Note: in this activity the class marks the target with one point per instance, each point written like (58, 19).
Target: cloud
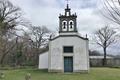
(84, 3)
(46, 12)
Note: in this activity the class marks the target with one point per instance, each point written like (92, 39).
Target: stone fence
(110, 62)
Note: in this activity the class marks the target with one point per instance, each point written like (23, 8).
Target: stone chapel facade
(68, 52)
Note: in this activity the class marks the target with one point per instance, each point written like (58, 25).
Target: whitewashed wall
(80, 55)
(43, 61)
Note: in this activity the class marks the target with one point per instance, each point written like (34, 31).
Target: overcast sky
(46, 12)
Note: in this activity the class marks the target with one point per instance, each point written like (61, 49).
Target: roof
(44, 52)
(69, 36)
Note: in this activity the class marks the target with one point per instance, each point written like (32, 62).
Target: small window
(64, 25)
(67, 13)
(71, 24)
(68, 49)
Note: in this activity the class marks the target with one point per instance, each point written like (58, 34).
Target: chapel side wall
(43, 61)
(87, 53)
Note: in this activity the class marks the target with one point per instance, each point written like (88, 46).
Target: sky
(46, 13)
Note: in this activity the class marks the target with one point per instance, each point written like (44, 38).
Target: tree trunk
(2, 59)
(104, 59)
(4, 55)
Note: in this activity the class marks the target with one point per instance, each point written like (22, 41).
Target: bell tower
(67, 21)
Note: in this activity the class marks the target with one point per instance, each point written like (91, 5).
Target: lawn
(95, 74)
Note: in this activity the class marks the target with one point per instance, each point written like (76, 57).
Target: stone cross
(28, 76)
(2, 75)
(67, 1)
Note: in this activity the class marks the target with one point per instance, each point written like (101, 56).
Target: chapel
(68, 52)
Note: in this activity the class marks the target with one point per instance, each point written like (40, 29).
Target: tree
(113, 10)
(9, 16)
(40, 36)
(105, 37)
(9, 19)
(39, 39)
(5, 47)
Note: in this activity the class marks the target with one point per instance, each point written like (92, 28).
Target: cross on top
(67, 1)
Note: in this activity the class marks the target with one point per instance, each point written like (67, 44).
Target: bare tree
(9, 18)
(40, 36)
(112, 10)
(39, 39)
(29, 44)
(6, 47)
(104, 37)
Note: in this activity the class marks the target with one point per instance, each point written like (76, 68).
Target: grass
(95, 74)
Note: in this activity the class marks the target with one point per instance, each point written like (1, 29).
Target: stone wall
(110, 62)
